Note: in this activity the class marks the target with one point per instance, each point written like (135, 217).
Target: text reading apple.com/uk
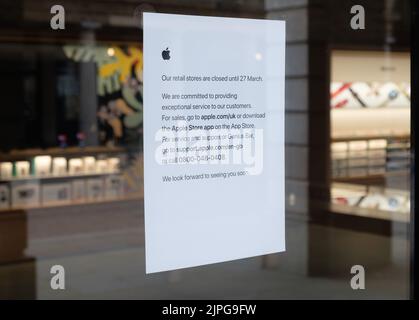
(209, 127)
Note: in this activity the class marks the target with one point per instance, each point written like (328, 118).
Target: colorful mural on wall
(119, 90)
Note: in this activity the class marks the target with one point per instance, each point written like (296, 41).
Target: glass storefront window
(71, 154)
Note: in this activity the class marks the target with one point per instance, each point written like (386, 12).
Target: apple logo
(166, 54)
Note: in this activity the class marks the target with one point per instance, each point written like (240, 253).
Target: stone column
(88, 94)
(298, 110)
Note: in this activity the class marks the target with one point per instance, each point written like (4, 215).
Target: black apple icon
(166, 54)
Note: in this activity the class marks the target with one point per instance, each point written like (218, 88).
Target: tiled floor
(102, 251)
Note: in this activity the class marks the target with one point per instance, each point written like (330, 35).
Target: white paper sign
(213, 139)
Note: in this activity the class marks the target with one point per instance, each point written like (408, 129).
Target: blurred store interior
(71, 179)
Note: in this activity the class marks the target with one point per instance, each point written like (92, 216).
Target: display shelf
(59, 177)
(44, 191)
(377, 176)
(370, 213)
(15, 155)
(372, 136)
(369, 158)
(128, 197)
(371, 201)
